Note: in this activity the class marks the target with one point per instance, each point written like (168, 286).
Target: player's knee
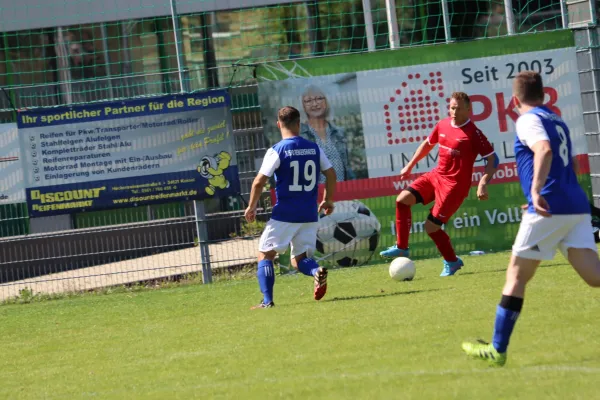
(432, 224)
(406, 197)
(431, 227)
(269, 255)
(297, 260)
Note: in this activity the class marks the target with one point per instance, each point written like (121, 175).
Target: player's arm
(491, 166)
(270, 164)
(532, 133)
(330, 182)
(485, 149)
(257, 188)
(542, 161)
(422, 151)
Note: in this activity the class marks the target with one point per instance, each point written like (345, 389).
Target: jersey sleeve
(270, 163)
(433, 137)
(530, 130)
(482, 144)
(324, 161)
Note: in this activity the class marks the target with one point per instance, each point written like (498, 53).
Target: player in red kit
(448, 184)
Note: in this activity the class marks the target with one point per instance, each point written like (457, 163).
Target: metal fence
(95, 250)
(588, 59)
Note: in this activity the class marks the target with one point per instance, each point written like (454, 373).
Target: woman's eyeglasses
(310, 100)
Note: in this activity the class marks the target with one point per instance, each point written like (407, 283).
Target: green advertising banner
(369, 113)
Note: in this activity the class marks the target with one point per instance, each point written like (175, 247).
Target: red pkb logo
(420, 102)
(416, 108)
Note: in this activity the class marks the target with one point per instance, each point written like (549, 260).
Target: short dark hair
(461, 96)
(528, 87)
(288, 116)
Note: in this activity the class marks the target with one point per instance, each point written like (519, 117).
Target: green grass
(370, 338)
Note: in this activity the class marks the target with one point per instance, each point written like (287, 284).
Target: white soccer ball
(349, 236)
(402, 269)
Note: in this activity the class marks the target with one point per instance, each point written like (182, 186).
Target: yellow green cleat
(485, 351)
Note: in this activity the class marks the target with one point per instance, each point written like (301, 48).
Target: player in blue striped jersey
(296, 164)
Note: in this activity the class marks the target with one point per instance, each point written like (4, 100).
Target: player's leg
(580, 249)
(404, 202)
(519, 273)
(586, 263)
(274, 239)
(266, 278)
(433, 228)
(537, 240)
(302, 249)
(446, 204)
(420, 191)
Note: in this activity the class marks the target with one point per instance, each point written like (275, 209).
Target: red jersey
(459, 148)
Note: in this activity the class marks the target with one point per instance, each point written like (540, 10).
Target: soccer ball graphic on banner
(402, 269)
(347, 237)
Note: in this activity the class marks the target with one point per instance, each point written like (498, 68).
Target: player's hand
(327, 206)
(405, 172)
(541, 205)
(250, 214)
(482, 192)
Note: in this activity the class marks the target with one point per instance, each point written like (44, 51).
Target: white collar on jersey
(454, 126)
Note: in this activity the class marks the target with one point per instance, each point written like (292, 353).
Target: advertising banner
(377, 108)
(12, 189)
(129, 153)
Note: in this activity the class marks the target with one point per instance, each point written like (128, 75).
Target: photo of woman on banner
(339, 134)
(318, 128)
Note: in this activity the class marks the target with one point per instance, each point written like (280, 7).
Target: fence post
(392, 20)
(183, 83)
(563, 14)
(202, 231)
(63, 66)
(200, 215)
(369, 24)
(510, 17)
(446, 20)
(104, 34)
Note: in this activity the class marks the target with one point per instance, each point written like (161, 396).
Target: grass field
(370, 338)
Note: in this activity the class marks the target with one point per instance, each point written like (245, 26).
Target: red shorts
(448, 199)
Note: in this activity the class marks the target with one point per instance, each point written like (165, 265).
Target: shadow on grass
(503, 269)
(375, 296)
(547, 264)
(492, 271)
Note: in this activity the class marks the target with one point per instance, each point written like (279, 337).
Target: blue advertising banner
(128, 153)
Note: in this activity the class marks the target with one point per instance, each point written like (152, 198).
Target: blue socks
(266, 275)
(266, 279)
(507, 313)
(308, 266)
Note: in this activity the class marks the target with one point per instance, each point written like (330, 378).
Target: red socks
(442, 241)
(403, 223)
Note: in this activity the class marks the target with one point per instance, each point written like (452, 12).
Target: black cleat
(263, 305)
